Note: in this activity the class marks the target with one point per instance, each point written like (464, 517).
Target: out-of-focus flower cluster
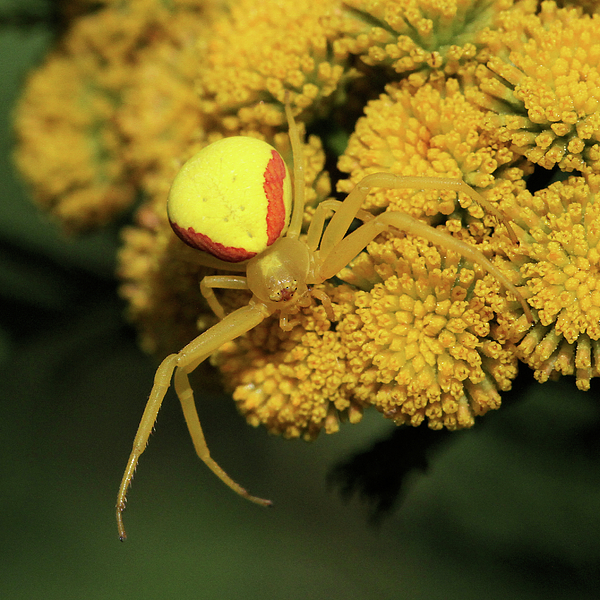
(112, 109)
(501, 93)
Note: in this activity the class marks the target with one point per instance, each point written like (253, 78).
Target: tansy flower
(76, 143)
(421, 339)
(416, 38)
(558, 259)
(68, 148)
(543, 87)
(269, 50)
(434, 132)
(295, 383)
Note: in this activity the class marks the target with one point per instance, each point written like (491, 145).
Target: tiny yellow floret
(559, 235)
(232, 199)
(542, 86)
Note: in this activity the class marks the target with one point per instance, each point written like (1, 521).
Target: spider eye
(233, 199)
(284, 293)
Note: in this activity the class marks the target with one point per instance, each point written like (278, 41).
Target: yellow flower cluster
(433, 132)
(68, 150)
(422, 341)
(487, 91)
(543, 87)
(295, 383)
(420, 39)
(112, 104)
(262, 53)
(559, 255)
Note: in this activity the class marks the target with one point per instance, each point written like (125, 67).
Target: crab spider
(281, 272)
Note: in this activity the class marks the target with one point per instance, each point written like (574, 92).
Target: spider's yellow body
(280, 275)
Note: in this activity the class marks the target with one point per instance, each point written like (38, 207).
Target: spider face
(279, 274)
(285, 292)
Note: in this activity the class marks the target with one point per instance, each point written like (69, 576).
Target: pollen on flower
(431, 133)
(559, 242)
(420, 341)
(542, 87)
(295, 383)
(415, 37)
(109, 109)
(268, 50)
(68, 150)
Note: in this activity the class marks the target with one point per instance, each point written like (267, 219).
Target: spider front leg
(336, 251)
(340, 222)
(232, 326)
(229, 282)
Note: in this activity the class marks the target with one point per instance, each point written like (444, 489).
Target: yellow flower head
(159, 114)
(68, 149)
(420, 342)
(434, 132)
(267, 50)
(543, 85)
(559, 252)
(113, 103)
(295, 383)
(415, 37)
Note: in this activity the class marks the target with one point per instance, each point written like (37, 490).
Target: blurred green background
(510, 509)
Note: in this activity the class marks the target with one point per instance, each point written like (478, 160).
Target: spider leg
(353, 244)
(229, 282)
(340, 222)
(162, 381)
(298, 207)
(186, 397)
(317, 223)
(325, 301)
(186, 360)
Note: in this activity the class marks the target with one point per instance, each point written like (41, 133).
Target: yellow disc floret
(420, 342)
(559, 252)
(432, 133)
(232, 199)
(543, 84)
